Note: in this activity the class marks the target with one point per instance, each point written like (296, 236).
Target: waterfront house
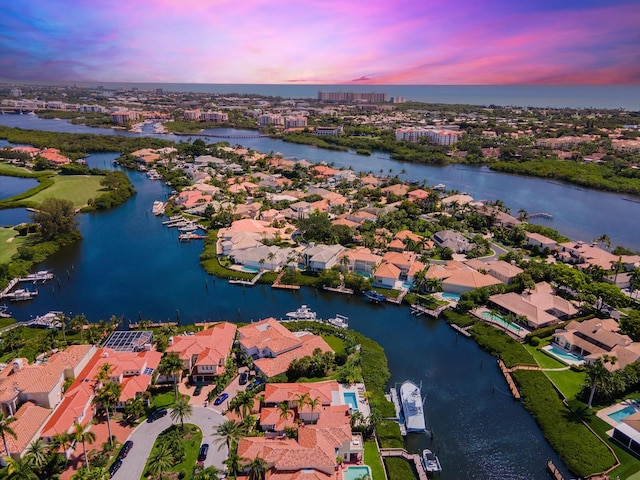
(417, 195)
(321, 257)
(541, 307)
(503, 271)
(262, 257)
(386, 275)
(205, 353)
(597, 337)
(359, 260)
(30, 419)
(457, 277)
(540, 241)
(274, 347)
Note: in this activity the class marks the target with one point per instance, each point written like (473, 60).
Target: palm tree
(108, 396)
(21, 469)
(5, 429)
(242, 403)
(233, 463)
(285, 411)
(230, 433)
(60, 440)
(77, 323)
(598, 374)
(313, 404)
(209, 473)
(181, 410)
(93, 473)
(81, 433)
(301, 400)
(103, 374)
(62, 323)
(171, 366)
(257, 469)
(161, 460)
(634, 280)
(37, 452)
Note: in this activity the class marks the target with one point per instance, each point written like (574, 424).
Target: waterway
(579, 213)
(129, 265)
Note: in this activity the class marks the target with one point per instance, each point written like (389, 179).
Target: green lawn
(567, 381)
(9, 249)
(337, 344)
(372, 458)
(77, 188)
(191, 439)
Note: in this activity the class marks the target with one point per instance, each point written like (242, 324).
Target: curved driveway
(144, 436)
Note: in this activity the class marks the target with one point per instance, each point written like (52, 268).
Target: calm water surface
(129, 265)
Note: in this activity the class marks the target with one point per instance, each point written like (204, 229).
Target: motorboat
(430, 461)
(302, 313)
(412, 408)
(374, 296)
(339, 321)
(158, 207)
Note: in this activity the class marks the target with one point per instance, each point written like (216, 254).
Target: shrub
(534, 341)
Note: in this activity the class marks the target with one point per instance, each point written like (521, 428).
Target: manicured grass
(629, 465)
(568, 382)
(501, 345)
(398, 469)
(9, 249)
(5, 322)
(372, 458)
(165, 398)
(542, 359)
(77, 188)
(337, 344)
(191, 440)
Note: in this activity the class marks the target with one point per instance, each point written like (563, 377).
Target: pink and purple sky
(322, 41)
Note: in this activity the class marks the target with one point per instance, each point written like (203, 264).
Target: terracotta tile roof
(275, 393)
(30, 418)
(273, 416)
(209, 345)
(387, 270)
(75, 404)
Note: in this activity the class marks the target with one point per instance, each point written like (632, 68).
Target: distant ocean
(556, 96)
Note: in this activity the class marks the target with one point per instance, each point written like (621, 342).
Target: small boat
(412, 408)
(158, 207)
(189, 227)
(22, 294)
(439, 187)
(187, 237)
(303, 313)
(4, 312)
(430, 461)
(339, 321)
(40, 276)
(374, 296)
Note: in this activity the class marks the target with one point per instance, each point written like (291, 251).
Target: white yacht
(303, 313)
(430, 461)
(412, 409)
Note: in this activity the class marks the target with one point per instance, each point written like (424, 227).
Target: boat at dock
(158, 207)
(187, 237)
(40, 276)
(375, 296)
(339, 321)
(22, 294)
(412, 408)
(4, 312)
(302, 313)
(189, 227)
(430, 461)
(439, 187)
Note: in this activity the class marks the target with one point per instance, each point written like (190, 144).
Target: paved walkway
(145, 435)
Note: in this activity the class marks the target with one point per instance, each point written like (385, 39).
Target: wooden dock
(463, 331)
(553, 470)
(419, 310)
(393, 396)
(248, 283)
(512, 385)
(345, 290)
(284, 286)
(411, 457)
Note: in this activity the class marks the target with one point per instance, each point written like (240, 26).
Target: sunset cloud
(321, 41)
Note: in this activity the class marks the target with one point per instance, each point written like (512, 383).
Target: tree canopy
(56, 217)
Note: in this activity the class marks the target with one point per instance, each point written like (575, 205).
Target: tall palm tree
(60, 440)
(181, 410)
(301, 400)
(242, 403)
(93, 473)
(81, 433)
(161, 460)
(103, 374)
(5, 429)
(171, 366)
(108, 396)
(257, 469)
(77, 323)
(230, 433)
(313, 404)
(634, 280)
(233, 463)
(209, 473)
(37, 452)
(598, 374)
(285, 411)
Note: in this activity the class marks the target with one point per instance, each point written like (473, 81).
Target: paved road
(145, 435)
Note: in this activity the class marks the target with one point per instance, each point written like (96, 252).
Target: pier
(277, 283)
(411, 457)
(41, 276)
(341, 289)
(459, 329)
(393, 397)
(553, 470)
(512, 385)
(248, 283)
(419, 310)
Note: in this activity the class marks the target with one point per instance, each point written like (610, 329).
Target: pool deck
(358, 390)
(517, 334)
(547, 349)
(604, 413)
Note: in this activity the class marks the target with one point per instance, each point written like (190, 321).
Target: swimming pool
(622, 413)
(450, 296)
(563, 355)
(352, 473)
(351, 400)
(249, 269)
(498, 319)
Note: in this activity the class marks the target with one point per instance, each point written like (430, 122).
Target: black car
(126, 447)
(202, 454)
(156, 415)
(244, 376)
(197, 391)
(114, 467)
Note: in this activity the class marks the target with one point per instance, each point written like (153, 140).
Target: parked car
(126, 447)
(256, 383)
(202, 454)
(114, 467)
(153, 416)
(221, 399)
(197, 391)
(244, 376)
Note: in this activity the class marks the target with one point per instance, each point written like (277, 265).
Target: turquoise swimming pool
(351, 400)
(354, 472)
(622, 413)
(498, 319)
(563, 355)
(450, 296)
(249, 269)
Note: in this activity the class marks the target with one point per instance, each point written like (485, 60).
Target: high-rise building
(340, 96)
